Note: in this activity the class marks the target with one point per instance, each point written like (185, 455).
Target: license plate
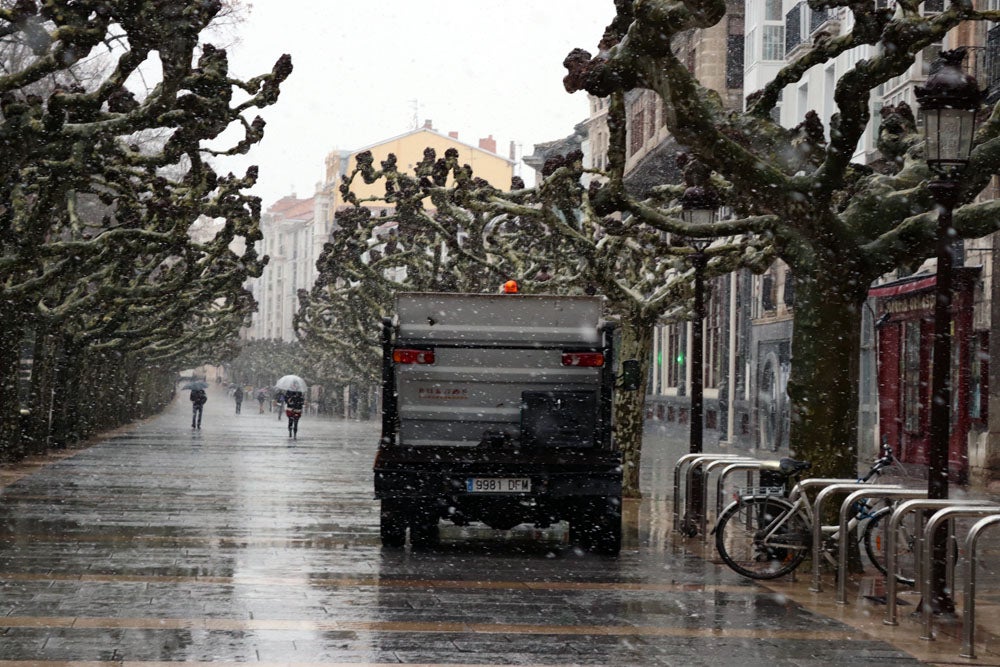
(498, 485)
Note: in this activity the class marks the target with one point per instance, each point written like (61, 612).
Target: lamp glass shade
(699, 216)
(949, 135)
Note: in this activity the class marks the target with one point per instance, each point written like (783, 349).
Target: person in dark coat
(238, 397)
(294, 401)
(198, 400)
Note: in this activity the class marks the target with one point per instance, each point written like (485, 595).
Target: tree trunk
(823, 386)
(66, 394)
(41, 390)
(630, 406)
(11, 330)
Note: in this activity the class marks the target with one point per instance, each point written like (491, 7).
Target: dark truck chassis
(420, 485)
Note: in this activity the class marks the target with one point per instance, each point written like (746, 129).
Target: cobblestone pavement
(234, 544)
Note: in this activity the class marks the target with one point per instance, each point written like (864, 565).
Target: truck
(497, 409)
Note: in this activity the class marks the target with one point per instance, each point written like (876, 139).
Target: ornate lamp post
(948, 103)
(699, 206)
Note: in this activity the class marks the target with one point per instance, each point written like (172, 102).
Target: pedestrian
(198, 400)
(261, 398)
(238, 397)
(279, 398)
(294, 401)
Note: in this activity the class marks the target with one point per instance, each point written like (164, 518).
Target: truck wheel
(392, 525)
(424, 533)
(607, 534)
(597, 526)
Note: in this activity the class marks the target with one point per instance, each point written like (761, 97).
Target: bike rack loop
(749, 466)
(708, 468)
(969, 613)
(891, 560)
(817, 527)
(691, 459)
(845, 508)
(987, 509)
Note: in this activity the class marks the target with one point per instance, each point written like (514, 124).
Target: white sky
(478, 67)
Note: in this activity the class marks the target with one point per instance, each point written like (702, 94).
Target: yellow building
(409, 150)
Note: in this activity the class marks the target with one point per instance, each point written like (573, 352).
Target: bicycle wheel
(906, 544)
(761, 537)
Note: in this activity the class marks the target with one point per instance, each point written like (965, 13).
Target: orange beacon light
(510, 287)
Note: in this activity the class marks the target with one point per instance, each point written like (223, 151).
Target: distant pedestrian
(294, 400)
(198, 400)
(279, 399)
(238, 397)
(261, 398)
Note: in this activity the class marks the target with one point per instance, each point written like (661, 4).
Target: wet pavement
(234, 543)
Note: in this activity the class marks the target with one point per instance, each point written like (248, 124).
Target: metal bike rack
(708, 468)
(845, 508)
(691, 461)
(817, 527)
(969, 613)
(749, 466)
(926, 555)
(891, 560)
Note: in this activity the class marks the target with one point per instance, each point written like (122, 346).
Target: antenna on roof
(416, 114)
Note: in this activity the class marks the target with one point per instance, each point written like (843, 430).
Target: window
(713, 341)
(734, 54)
(772, 10)
(910, 373)
(749, 52)
(675, 360)
(774, 47)
(767, 288)
(789, 293)
(637, 130)
(979, 377)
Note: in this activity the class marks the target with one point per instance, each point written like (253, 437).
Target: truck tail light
(408, 356)
(590, 359)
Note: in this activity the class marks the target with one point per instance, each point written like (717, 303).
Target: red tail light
(590, 359)
(406, 356)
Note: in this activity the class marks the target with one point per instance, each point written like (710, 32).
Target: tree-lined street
(233, 543)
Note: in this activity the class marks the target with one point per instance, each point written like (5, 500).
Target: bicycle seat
(790, 467)
(787, 466)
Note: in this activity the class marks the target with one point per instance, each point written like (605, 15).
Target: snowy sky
(365, 71)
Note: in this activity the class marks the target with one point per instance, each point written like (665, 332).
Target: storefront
(904, 311)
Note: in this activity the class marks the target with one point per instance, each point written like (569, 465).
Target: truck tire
(392, 524)
(596, 526)
(424, 532)
(607, 534)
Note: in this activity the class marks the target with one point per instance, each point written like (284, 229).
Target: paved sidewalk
(234, 544)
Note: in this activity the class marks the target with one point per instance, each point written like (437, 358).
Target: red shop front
(905, 338)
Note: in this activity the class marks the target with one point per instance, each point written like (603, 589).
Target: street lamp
(699, 206)
(948, 102)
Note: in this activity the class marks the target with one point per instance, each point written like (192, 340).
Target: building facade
(748, 329)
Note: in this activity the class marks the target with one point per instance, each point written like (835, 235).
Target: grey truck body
(495, 411)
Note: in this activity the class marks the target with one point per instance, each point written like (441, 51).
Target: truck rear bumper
(402, 483)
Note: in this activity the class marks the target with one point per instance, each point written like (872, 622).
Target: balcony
(984, 64)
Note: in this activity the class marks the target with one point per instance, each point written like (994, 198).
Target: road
(234, 543)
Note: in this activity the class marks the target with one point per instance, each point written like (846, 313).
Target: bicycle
(767, 533)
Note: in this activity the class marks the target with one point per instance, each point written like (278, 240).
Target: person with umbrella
(198, 400)
(294, 389)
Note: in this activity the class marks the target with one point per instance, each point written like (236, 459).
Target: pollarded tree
(131, 278)
(838, 225)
